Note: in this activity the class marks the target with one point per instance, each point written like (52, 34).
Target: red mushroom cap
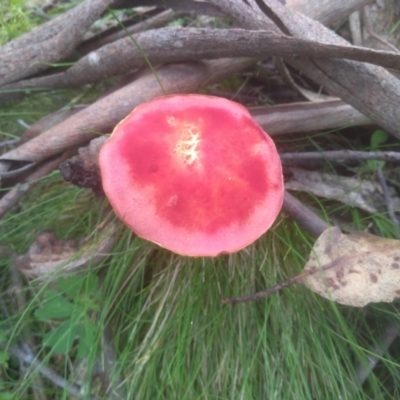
(194, 174)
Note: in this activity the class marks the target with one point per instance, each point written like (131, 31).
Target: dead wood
(371, 90)
(13, 196)
(341, 156)
(307, 116)
(327, 12)
(48, 43)
(185, 6)
(104, 114)
(306, 218)
(150, 23)
(167, 45)
(48, 121)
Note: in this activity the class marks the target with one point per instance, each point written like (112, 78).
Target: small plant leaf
(62, 338)
(377, 138)
(71, 285)
(87, 337)
(354, 269)
(55, 306)
(6, 395)
(4, 357)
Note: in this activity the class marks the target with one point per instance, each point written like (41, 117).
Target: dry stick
(373, 34)
(327, 11)
(103, 115)
(150, 23)
(308, 116)
(184, 6)
(306, 218)
(26, 356)
(264, 293)
(370, 89)
(18, 301)
(48, 43)
(11, 198)
(50, 120)
(387, 197)
(180, 44)
(341, 155)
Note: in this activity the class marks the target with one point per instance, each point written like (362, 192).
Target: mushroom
(194, 174)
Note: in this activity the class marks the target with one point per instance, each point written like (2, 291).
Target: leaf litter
(351, 269)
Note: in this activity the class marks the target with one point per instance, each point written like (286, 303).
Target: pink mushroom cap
(194, 174)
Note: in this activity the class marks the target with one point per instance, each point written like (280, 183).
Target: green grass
(172, 336)
(162, 314)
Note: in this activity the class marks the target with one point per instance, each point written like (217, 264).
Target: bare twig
(387, 197)
(185, 6)
(307, 219)
(150, 23)
(372, 33)
(327, 12)
(263, 293)
(307, 116)
(12, 197)
(342, 155)
(26, 356)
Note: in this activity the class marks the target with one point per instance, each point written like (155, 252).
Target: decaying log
(371, 90)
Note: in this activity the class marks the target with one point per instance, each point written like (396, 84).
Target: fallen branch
(14, 195)
(166, 45)
(26, 356)
(371, 90)
(48, 43)
(306, 218)
(104, 114)
(307, 116)
(341, 155)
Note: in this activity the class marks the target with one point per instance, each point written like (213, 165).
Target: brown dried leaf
(48, 254)
(352, 191)
(354, 269)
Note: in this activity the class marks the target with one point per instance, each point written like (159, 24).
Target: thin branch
(306, 218)
(26, 356)
(387, 197)
(342, 155)
(307, 116)
(373, 34)
(13, 196)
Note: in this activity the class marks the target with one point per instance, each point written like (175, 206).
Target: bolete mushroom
(194, 174)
